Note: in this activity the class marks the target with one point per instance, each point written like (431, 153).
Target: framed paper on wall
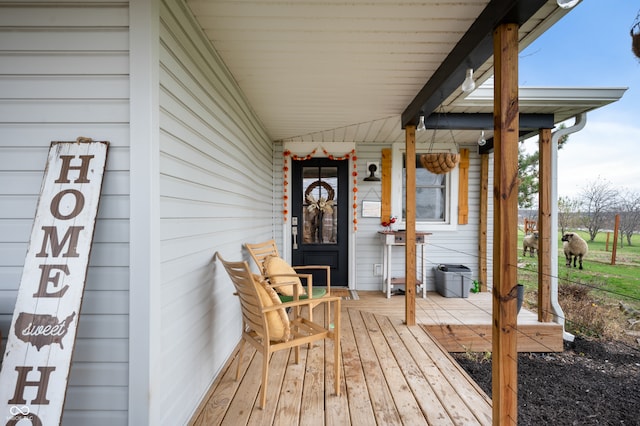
(371, 208)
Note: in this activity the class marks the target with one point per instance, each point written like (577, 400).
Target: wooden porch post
(482, 226)
(505, 252)
(410, 243)
(545, 239)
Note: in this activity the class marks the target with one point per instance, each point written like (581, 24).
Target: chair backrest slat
(260, 251)
(250, 302)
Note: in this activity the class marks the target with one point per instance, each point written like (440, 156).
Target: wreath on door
(318, 207)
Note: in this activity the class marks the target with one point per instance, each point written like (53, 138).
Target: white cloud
(606, 150)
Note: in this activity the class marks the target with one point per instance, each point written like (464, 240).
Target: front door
(320, 217)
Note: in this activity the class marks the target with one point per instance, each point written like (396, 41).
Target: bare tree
(567, 213)
(629, 207)
(597, 199)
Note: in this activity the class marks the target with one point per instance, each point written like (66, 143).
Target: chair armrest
(307, 277)
(275, 286)
(326, 268)
(312, 267)
(302, 302)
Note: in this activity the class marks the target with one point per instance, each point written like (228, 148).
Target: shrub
(588, 316)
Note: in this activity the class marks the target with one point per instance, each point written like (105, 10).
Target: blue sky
(591, 47)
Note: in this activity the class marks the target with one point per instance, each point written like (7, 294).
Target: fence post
(615, 240)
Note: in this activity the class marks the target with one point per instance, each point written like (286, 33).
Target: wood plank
(462, 338)
(360, 408)
(410, 243)
(249, 387)
(544, 231)
(384, 408)
(463, 188)
(313, 390)
(277, 367)
(504, 359)
(385, 184)
(483, 221)
(222, 391)
(387, 343)
(541, 337)
(478, 403)
(288, 409)
(430, 363)
(430, 404)
(336, 407)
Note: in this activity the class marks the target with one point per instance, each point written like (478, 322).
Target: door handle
(294, 234)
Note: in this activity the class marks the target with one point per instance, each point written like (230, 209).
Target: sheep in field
(530, 242)
(574, 247)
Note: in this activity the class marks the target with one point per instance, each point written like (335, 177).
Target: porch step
(541, 337)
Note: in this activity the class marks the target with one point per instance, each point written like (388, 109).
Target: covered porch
(392, 373)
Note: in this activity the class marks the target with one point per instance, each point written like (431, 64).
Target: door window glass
(320, 209)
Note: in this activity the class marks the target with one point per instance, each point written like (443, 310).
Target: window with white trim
(436, 194)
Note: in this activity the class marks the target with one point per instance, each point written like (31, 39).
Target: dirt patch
(593, 382)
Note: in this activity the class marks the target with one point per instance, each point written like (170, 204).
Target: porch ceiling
(346, 71)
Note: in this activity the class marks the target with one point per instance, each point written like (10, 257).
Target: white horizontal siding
(215, 194)
(368, 243)
(64, 74)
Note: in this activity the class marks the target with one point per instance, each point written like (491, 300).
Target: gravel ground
(591, 383)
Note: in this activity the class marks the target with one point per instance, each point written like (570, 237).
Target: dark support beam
(484, 121)
(474, 49)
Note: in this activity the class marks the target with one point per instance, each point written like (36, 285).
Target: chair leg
(336, 347)
(336, 365)
(327, 315)
(239, 359)
(265, 378)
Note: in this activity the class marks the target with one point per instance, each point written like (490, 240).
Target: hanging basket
(635, 40)
(440, 163)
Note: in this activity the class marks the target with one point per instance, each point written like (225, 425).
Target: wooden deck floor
(392, 375)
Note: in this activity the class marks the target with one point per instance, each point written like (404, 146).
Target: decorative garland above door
(351, 155)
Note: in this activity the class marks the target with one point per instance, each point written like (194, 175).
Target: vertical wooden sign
(37, 359)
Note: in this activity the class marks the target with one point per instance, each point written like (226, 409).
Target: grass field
(591, 297)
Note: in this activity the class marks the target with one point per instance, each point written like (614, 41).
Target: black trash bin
(453, 280)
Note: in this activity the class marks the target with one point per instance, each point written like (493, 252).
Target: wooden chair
(267, 326)
(261, 252)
